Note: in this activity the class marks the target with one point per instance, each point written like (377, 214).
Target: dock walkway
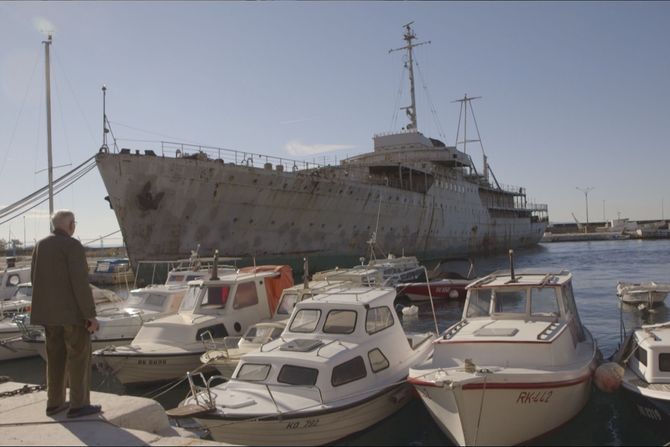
(125, 421)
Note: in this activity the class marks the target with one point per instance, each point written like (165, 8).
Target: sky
(574, 94)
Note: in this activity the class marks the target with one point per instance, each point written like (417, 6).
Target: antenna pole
(47, 77)
(104, 118)
(411, 109)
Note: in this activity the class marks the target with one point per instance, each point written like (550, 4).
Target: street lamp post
(586, 192)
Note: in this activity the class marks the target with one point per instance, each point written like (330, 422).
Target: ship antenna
(104, 147)
(511, 265)
(305, 268)
(409, 37)
(215, 266)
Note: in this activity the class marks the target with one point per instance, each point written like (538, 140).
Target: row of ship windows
(453, 187)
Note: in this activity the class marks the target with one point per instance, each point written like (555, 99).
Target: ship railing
(232, 156)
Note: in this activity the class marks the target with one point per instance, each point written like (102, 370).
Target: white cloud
(295, 147)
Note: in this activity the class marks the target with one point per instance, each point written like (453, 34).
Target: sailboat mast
(47, 76)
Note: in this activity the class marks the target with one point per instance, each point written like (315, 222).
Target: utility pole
(586, 192)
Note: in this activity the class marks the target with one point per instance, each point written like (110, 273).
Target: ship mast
(409, 37)
(47, 76)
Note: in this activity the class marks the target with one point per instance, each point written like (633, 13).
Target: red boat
(444, 283)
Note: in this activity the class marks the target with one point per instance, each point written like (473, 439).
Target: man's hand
(92, 325)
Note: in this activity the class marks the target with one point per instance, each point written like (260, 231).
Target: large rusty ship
(411, 195)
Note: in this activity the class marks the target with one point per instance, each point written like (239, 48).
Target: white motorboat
(646, 293)
(641, 368)
(166, 348)
(518, 365)
(10, 279)
(226, 357)
(12, 325)
(387, 271)
(19, 339)
(339, 367)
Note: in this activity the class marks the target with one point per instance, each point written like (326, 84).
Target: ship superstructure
(412, 195)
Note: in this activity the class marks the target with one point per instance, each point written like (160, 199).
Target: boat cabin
(651, 359)
(215, 308)
(525, 319)
(335, 342)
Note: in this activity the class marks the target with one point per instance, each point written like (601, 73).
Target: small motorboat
(339, 367)
(212, 309)
(644, 374)
(444, 282)
(647, 293)
(516, 366)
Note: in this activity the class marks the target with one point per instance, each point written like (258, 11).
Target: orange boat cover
(274, 285)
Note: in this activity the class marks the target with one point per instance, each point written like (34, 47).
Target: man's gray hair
(61, 219)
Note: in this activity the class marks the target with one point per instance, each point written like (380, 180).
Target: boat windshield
(190, 299)
(305, 320)
(23, 292)
(287, 303)
(479, 303)
(544, 302)
(510, 301)
(253, 372)
(262, 334)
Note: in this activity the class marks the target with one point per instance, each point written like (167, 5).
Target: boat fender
(608, 377)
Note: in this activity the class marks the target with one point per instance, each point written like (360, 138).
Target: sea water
(607, 419)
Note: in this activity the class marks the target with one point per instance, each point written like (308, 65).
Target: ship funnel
(305, 268)
(215, 266)
(511, 265)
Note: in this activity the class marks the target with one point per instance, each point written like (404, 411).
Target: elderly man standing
(63, 303)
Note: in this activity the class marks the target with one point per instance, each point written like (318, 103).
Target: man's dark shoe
(57, 409)
(84, 411)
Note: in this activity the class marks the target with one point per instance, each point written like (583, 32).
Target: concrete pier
(126, 420)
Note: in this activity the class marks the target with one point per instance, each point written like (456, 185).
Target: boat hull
(652, 406)
(144, 369)
(315, 428)
(439, 290)
(276, 216)
(506, 413)
(12, 346)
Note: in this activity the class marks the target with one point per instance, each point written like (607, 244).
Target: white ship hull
(12, 346)
(315, 428)
(167, 206)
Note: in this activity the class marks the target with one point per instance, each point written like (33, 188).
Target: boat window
(543, 302)
(261, 334)
(377, 319)
(641, 355)
(340, 322)
(287, 303)
(297, 375)
(175, 278)
(23, 292)
(190, 298)
(13, 280)
(510, 301)
(193, 277)
(664, 362)
(155, 300)
(572, 308)
(378, 361)
(245, 295)
(479, 303)
(305, 320)
(253, 372)
(216, 297)
(348, 372)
